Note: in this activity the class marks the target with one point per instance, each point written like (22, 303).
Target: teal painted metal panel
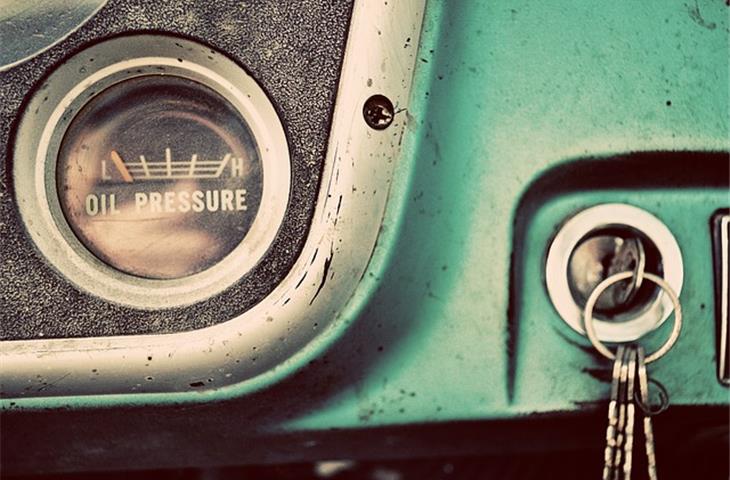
(504, 92)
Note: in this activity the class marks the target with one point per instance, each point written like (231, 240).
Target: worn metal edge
(98, 5)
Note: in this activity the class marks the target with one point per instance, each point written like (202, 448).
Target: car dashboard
(268, 233)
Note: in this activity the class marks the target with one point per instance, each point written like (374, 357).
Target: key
(630, 365)
(648, 428)
(622, 407)
(612, 427)
(630, 256)
(630, 411)
(600, 257)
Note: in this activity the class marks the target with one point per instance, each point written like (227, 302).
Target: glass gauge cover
(159, 176)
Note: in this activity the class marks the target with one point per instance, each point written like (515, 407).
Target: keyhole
(607, 251)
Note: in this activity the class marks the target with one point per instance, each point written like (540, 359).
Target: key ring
(663, 398)
(593, 298)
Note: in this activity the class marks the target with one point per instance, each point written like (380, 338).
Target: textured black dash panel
(294, 49)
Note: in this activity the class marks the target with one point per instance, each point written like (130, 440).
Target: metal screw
(378, 112)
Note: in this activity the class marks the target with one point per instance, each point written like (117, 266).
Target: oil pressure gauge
(159, 177)
(151, 178)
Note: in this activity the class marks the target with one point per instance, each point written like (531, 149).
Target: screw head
(378, 112)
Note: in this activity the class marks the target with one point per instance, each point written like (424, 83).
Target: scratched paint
(505, 93)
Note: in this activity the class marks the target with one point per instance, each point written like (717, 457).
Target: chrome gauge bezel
(54, 106)
(311, 306)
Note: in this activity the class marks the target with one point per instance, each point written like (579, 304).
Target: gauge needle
(119, 163)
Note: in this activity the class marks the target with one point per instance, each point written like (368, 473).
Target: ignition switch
(604, 253)
(600, 242)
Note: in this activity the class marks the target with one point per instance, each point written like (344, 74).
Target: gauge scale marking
(170, 201)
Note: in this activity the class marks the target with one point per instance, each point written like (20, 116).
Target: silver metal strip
(300, 317)
(721, 236)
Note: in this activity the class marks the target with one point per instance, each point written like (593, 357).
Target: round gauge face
(159, 177)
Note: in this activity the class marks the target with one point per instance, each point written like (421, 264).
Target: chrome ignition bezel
(597, 218)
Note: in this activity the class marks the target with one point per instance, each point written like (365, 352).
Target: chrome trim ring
(602, 216)
(51, 111)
